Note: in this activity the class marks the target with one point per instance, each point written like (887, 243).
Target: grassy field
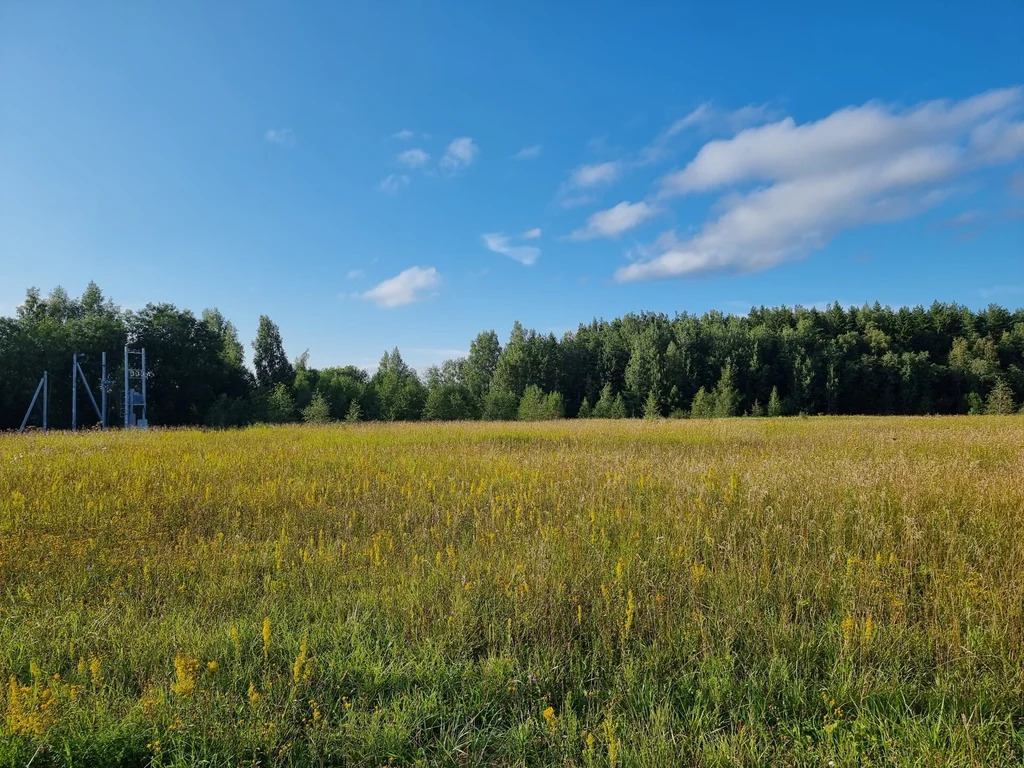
(828, 591)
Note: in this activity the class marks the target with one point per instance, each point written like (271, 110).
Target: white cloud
(528, 153)
(403, 135)
(460, 154)
(574, 191)
(594, 175)
(407, 287)
(499, 243)
(614, 221)
(355, 274)
(705, 118)
(413, 158)
(284, 137)
(531, 234)
(846, 139)
(859, 165)
(710, 117)
(393, 183)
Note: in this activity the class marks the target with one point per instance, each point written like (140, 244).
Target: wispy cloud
(706, 119)
(594, 175)
(615, 220)
(355, 274)
(407, 287)
(461, 153)
(284, 137)
(710, 117)
(963, 219)
(413, 158)
(393, 183)
(531, 234)
(499, 243)
(584, 180)
(528, 153)
(859, 165)
(403, 135)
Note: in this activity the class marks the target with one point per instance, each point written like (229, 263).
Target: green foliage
(703, 406)
(449, 402)
(280, 406)
(269, 360)
(585, 411)
(652, 408)
(727, 399)
(975, 404)
(318, 411)
(535, 405)
(555, 405)
(355, 413)
(500, 405)
(618, 409)
(869, 359)
(605, 403)
(757, 410)
(341, 387)
(401, 394)
(481, 364)
(228, 411)
(1000, 399)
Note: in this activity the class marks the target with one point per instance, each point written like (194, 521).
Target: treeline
(778, 361)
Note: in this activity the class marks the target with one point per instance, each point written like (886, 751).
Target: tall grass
(736, 592)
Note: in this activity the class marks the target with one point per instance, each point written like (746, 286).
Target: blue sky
(410, 173)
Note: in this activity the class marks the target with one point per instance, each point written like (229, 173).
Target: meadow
(817, 592)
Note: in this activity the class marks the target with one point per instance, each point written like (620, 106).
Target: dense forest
(867, 360)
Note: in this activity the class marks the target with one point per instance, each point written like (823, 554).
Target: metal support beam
(144, 417)
(126, 393)
(74, 392)
(103, 391)
(33, 404)
(88, 391)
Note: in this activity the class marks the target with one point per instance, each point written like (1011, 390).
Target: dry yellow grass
(577, 593)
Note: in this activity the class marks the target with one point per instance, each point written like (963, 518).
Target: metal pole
(88, 391)
(46, 397)
(144, 385)
(103, 391)
(74, 392)
(126, 387)
(32, 404)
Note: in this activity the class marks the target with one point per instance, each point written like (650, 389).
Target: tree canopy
(945, 358)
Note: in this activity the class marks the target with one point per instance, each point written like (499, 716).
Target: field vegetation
(823, 591)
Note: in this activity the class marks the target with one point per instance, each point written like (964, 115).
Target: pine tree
(585, 410)
(1000, 399)
(355, 413)
(727, 398)
(652, 410)
(618, 409)
(603, 409)
(280, 405)
(531, 406)
(318, 411)
(775, 403)
(703, 406)
(756, 410)
(555, 406)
